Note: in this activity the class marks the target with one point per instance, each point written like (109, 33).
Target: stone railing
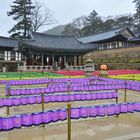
(35, 68)
(45, 68)
(76, 67)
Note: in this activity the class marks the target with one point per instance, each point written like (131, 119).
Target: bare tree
(42, 16)
(75, 27)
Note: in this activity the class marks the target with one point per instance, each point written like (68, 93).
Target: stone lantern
(89, 66)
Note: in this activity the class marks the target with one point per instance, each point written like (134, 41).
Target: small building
(10, 59)
(112, 39)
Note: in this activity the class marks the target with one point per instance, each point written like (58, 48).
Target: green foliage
(127, 77)
(93, 23)
(21, 10)
(137, 14)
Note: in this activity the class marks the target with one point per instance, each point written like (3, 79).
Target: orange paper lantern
(103, 67)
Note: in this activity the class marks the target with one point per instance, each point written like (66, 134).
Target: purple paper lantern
(84, 112)
(71, 97)
(46, 117)
(16, 101)
(9, 101)
(37, 118)
(123, 108)
(88, 96)
(99, 96)
(26, 119)
(130, 107)
(97, 88)
(38, 91)
(65, 89)
(62, 114)
(0, 123)
(27, 91)
(31, 91)
(55, 115)
(110, 110)
(47, 98)
(117, 109)
(2, 102)
(77, 97)
(56, 90)
(17, 121)
(105, 87)
(24, 100)
(104, 95)
(46, 90)
(52, 90)
(31, 100)
(90, 88)
(109, 95)
(12, 92)
(66, 97)
(101, 87)
(7, 123)
(17, 92)
(38, 99)
(23, 91)
(137, 106)
(101, 111)
(110, 87)
(93, 96)
(59, 98)
(53, 98)
(115, 94)
(93, 111)
(83, 97)
(75, 113)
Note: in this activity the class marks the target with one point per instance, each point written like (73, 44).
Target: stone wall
(121, 58)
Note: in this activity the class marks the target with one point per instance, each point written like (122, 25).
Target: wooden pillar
(25, 63)
(49, 61)
(32, 59)
(65, 60)
(111, 45)
(116, 44)
(52, 60)
(62, 64)
(77, 63)
(79, 60)
(75, 60)
(42, 60)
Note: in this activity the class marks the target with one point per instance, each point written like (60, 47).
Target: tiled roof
(8, 42)
(134, 39)
(101, 36)
(66, 43)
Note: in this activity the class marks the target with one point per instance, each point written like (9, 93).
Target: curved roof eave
(82, 50)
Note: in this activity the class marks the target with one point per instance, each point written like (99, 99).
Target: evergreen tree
(94, 23)
(137, 14)
(21, 11)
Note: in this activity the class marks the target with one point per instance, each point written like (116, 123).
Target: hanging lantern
(103, 67)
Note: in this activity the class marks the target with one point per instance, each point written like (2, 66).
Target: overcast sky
(66, 10)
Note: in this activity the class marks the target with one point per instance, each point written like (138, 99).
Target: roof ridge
(9, 38)
(57, 35)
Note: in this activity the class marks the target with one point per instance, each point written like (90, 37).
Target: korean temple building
(116, 38)
(44, 51)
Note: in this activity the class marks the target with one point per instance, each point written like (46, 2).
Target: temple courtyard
(123, 127)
